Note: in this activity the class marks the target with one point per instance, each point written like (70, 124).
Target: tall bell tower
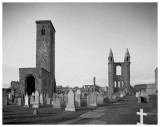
(41, 78)
(45, 46)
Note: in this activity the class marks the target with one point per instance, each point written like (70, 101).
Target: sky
(85, 32)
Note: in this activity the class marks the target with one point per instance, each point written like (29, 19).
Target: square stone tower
(45, 46)
(41, 78)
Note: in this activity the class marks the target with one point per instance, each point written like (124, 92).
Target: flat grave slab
(92, 114)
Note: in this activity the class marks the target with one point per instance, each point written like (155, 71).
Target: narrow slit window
(43, 32)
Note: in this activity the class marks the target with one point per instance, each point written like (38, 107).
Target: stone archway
(30, 85)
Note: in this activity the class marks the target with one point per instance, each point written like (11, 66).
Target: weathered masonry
(119, 82)
(41, 78)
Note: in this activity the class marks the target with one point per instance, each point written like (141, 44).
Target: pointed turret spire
(94, 80)
(110, 53)
(127, 53)
(127, 56)
(110, 58)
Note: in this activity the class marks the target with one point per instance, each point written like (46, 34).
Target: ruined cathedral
(41, 78)
(119, 82)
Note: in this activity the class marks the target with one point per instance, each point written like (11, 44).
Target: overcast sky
(85, 32)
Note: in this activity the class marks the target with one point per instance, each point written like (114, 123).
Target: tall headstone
(41, 99)
(65, 99)
(26, 101)
(61, 98)
(83, 95)
(57, 102)
(91, 99)
(100, 99)
(32, 98)
(48, 101)
(9, 96)
(70, 104)
(36, 101)
(19, 101)
(78, 98)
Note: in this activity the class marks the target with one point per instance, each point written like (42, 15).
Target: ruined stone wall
(24, 72)
(123, 79)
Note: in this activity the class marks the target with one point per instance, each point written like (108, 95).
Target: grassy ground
(120, 112)
(124, 111)
(14, 114)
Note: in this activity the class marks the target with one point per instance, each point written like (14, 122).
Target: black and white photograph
(79, 63)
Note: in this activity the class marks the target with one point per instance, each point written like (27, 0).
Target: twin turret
(111, 58)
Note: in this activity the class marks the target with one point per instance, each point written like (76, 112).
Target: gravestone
(57, 102)
(61, 98)
(54, 95)
(41, 99)
(70, 105)
(48, 101)
(5, 100)
(15, 100)
(32, 98)
(100, 99)
(9, 96)
(91, 99)
(36, 101)
(19, 101)
(96, 93)
(65, 99)
(144, 97)
(137, 94)
(78, 98)
(121, 94)
(83, 95)
(26, 101)
(114, 97)
(47, 96)
(141, 113)
(35, 112)
(118, 95)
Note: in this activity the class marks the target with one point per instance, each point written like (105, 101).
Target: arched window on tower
(118, 84)
(118, 70)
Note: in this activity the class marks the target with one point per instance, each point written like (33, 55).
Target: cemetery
(36, 98)
(123, 110)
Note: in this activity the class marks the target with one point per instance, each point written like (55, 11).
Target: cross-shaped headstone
(141, 116)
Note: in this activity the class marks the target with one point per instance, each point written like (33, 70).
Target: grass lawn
(124, 111)
(14, 114)
(120, 112)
